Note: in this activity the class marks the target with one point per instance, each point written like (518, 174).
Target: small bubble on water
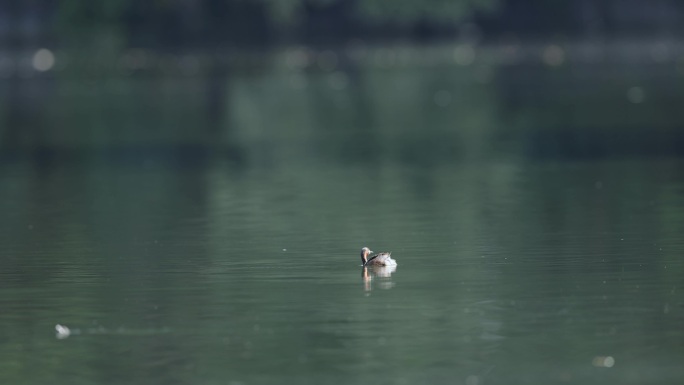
(62, 331)
(284, 249)
(603, 362)
(43, 60)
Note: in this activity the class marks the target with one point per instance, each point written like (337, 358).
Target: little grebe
(380, 259)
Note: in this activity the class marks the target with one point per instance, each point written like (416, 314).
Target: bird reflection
(384, 273)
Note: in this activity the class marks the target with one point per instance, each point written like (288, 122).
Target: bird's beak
(371, 251)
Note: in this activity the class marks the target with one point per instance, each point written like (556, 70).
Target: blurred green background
(203, 78)
(186, 185)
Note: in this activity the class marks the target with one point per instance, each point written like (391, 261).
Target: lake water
(174, 264)
(216, 275)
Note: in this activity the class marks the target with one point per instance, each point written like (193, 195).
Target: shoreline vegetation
(28, 63)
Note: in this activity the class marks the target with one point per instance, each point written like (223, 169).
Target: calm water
(207, 231)
(507, 273)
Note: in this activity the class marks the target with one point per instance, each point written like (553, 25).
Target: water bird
(380, 259)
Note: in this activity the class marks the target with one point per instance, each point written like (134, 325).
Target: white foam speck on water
(62, 331)
(603, 361)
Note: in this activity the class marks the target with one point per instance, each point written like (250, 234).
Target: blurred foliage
(285, 11)
(178, 23)
(281, 11)
(208, 23)
(86, 12)
(410, 11)
(386, 10)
